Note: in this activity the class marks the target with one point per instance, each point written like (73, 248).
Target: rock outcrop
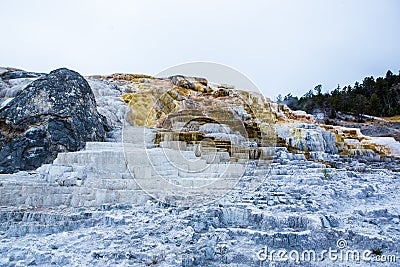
(55, 113)
(189, 110)
(90, 208)
(171, 102)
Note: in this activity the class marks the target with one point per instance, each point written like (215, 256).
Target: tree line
(376, 97)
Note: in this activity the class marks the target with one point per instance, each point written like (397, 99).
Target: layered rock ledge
(322, 184)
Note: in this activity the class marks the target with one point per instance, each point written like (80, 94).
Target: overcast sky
(282, 46)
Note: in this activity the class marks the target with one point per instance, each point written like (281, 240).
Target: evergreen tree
(377, 97)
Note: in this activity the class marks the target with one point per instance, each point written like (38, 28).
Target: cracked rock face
(55, 113)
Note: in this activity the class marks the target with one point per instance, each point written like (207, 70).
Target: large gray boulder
(55, 113)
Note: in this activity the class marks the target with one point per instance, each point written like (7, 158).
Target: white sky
(282, 46)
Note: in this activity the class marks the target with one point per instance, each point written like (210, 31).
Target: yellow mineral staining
(188, 137)
(143, 112)
(123, 77)
(130, 77)
(174, 94)
(221, 93)
(165, 104)
(184, 92)
(127, 97)
(202, 81)
(198, 87)
(351, 142)
(285, 114)
(392, 119)
(171, 107)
